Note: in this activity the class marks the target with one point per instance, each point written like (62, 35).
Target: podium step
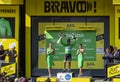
(43, 79)
(116, 79)
(81, 79)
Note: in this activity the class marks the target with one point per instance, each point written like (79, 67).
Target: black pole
(21, 68)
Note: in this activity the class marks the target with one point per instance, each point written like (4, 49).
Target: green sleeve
(63, 42)
(74, 42)
(9, 32)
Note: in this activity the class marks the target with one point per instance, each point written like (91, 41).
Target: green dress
(50, 57)
(80, 60)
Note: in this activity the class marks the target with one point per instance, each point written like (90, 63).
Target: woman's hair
(111, 49)
(80, 44)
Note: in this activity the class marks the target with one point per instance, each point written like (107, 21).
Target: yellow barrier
(113, 70)
(116, 79)
(81, 79)
(42, 79)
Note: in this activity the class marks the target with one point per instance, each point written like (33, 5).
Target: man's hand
(62, 35)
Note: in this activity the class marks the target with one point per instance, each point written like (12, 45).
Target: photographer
(108, 59)
(2, 55)
(116, 55)
(12, 54)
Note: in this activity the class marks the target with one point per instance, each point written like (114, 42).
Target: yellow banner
(113, 70)
(86, 28)
(11, 2)
(70, 7)
(9, 69)
(116, 2)
(70, 28)
(54, 28)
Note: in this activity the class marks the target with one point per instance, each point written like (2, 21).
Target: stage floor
(92, 79)
(99, 79)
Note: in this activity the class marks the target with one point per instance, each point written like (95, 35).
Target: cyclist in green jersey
(68, 50)
(50, 53)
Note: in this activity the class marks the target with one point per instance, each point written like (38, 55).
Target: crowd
(6, 56)
(111, 56)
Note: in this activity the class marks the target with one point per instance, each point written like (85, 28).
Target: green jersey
(5, 29)
(68, 47)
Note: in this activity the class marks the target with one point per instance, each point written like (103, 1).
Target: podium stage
(65, 77)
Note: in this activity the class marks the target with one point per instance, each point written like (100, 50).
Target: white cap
(0, 43)
(12, 45)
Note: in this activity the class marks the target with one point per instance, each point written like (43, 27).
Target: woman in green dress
(80, 52)
(50, 53)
